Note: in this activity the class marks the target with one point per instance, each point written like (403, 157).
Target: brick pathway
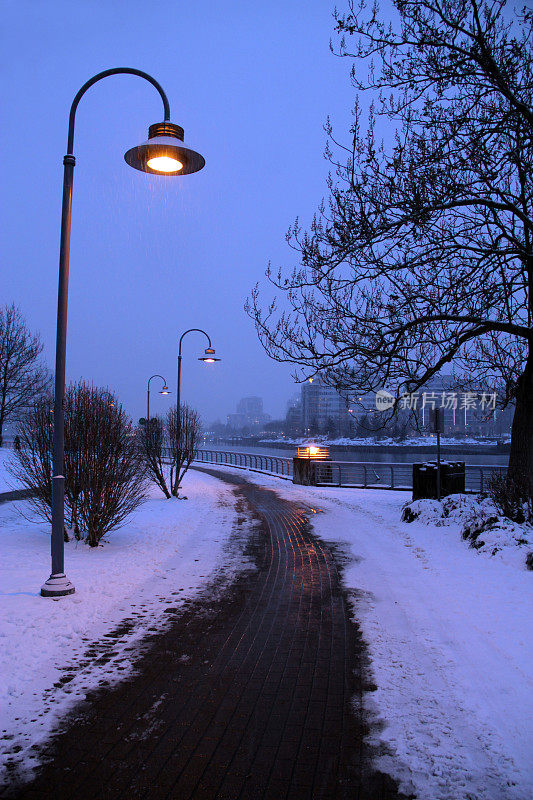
(260, 707)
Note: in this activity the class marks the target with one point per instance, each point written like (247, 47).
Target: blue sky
(252, 84)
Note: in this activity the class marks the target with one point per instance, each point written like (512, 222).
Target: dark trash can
(452, 479)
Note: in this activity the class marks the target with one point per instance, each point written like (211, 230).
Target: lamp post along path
(208, 358)
(165, 390)
(163, 154)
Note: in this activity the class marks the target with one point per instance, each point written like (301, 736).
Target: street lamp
(164, 153)
(208, 358)
(164, 390)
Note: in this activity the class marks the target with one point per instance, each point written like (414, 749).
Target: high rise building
(249, 415)
(324, 410)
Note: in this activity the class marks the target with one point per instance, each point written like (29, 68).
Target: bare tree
(423, 255)
(22, 378)
(31, 463)
(184, 439)
(151, 437)
(104, 471)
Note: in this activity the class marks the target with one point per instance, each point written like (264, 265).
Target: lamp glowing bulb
(313, 451)
(165, 164)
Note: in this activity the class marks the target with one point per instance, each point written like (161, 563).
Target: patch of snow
(479, 523)
(165, 554)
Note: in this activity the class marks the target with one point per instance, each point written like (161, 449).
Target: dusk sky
(252, 84)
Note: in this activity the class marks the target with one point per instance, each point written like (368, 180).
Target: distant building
(466, 412)
(472, 412)
(293, 417)
(324, 409)
(249, 415)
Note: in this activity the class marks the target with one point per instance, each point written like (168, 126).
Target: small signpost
(436, 422)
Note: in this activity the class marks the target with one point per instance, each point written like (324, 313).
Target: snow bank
(479, 522)
(166, 553)
(385, 441)
(449, 636)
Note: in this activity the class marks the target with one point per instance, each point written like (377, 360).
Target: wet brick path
(245, 697)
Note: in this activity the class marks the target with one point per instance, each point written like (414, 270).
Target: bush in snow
(184, 430)
(151, 438)
(511, 496)
(479, 521)
(104, 473)
(177, 436)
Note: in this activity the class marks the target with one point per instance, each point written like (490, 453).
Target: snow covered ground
(164, 555)
(7, 483)
(449, 633)
(448, 627)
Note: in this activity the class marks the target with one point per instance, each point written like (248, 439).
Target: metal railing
(271, 465)
(379, 475)
(356, 474)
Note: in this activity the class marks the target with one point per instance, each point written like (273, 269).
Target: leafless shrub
(104, 471)
(184, 439)
(31, 464)
(511, 495)
(151, 438)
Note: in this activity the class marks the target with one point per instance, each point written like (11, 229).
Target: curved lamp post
(164, 390)
(208, 358)
(164, 153)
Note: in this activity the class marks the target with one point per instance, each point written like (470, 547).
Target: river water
(388, 455)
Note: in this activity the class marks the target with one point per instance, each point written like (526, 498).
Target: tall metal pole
(438, 424)
(148, 393)
(178, 396)
(58, 584)
(191, 330)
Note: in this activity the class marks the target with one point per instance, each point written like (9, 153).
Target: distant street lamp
(164, 153)
(208, 358)
(164, 390)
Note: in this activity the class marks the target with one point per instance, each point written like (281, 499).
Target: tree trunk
(521, 455)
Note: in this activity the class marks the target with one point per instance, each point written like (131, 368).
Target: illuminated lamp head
(209, 357)
(164, 153)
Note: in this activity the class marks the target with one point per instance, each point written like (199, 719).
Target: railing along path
(356, 474)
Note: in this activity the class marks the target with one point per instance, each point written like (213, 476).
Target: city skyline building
(324, 409)
(249, 414)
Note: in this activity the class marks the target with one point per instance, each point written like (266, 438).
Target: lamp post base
(57, 586)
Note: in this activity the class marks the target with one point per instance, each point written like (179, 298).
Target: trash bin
(424, 480)
(452, 479)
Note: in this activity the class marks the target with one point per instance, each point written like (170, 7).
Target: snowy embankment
(449, 633)
(167, 552)
(385, 441)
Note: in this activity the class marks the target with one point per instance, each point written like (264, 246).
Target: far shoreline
(450, 449)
